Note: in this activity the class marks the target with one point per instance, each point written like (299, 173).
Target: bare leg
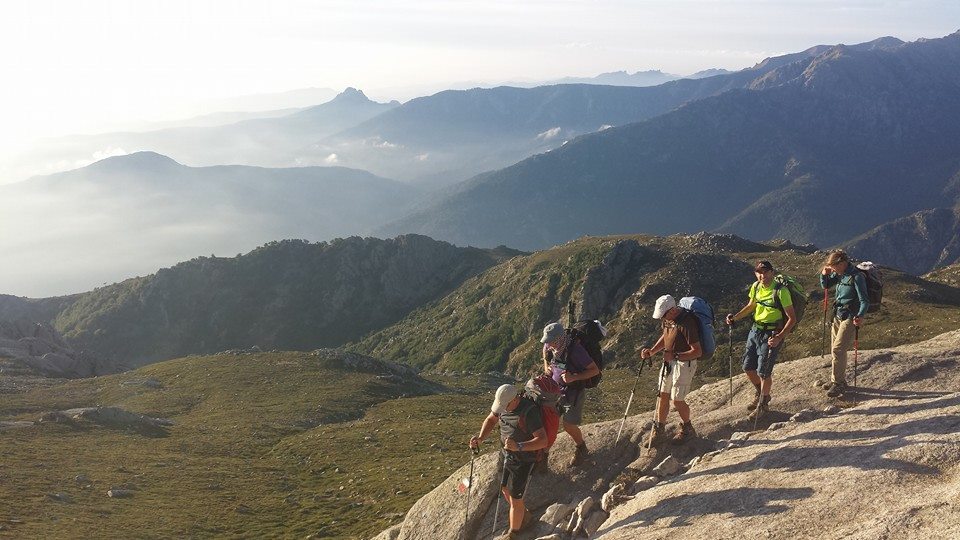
(574, 431)
(663, 407)
(683, 410)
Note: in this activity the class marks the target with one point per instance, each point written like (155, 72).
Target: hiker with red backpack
(850, 305)
(772, 307)
(523, 435)
(570, 366)
(680, 343)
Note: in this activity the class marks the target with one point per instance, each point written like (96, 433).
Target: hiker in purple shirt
(569, 364)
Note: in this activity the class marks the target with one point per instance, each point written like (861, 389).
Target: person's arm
(776, 339)
(694, 352)
(546, 361)
(828, 278)
(538, 442)
(657, 347)
(860, 283)
(749, 308)
(485, 428)
(591, 371)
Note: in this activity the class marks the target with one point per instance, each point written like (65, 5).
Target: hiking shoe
(756, 400)
(579, 454)
(837, 389)
(760, 409)
(511, 535)
(656, 432)
(685, 433)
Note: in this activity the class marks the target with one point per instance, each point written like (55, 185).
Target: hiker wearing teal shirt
(773, 318)
(849, 307)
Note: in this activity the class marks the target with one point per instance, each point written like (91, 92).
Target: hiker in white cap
(680, 343)
(522, 434)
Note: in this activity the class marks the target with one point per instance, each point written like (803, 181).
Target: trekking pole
(496, 513)
(656, 405)
(629, 401)
(730, 359)
(474, 452)
(856, 353)
(823, 325)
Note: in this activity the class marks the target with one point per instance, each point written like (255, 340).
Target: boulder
(557, 513)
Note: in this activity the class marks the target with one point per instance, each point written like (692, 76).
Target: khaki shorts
(677, 382)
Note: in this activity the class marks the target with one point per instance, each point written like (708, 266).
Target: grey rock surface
(901, 437)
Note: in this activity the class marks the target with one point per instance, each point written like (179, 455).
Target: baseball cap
(551, 332)
(505, 395)
(664, 304)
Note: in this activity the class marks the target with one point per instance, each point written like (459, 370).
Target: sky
(85, 66)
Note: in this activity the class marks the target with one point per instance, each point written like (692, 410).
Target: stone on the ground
(120, 493)
(557, 513)
(668, 467)
(613, 497)
(644, 483)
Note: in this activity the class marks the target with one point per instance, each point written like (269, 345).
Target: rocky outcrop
(917, 243)
(607, 285)
(898, 431)
(40, 349)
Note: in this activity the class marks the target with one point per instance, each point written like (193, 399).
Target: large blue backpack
(704, 312)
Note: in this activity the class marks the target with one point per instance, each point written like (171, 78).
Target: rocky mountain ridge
(917, 243)
(293, 295)
(764, 162)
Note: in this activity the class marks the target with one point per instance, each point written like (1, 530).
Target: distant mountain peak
(351, 94)
(137, 160)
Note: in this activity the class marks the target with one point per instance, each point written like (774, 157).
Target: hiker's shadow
(739, 502)
(907, 407)
(868, 449)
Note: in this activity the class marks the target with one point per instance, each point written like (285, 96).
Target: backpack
(590, 334)
(545, 393)
(704, 312)
(874, 280)
(797, 295)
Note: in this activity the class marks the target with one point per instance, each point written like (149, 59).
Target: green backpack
(797, 295)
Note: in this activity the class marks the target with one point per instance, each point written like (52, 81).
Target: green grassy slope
(493, 321)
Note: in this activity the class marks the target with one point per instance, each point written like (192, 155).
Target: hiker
(773, 319)
(522, 435)
(568, 363)
(850, 305)
(680, 343)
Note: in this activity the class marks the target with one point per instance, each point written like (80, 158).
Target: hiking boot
(511, 535)
(756, 400)
(578, 456)
(837, 389)
(685, 433)
(760, 409)
(656, 432)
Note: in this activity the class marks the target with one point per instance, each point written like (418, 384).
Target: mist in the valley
(131, 215)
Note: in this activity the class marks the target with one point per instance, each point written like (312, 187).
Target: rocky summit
(882, 462)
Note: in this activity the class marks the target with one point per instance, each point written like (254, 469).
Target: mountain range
(821, 148)
(129, 215)
(262, 141)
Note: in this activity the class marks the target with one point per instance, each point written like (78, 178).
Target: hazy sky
(86, 66)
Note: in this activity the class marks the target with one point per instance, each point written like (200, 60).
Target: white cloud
(605, 127)
(549, 134)
(378, 142)
(331, 159)
(423, 157)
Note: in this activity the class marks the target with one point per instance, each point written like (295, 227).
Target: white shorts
(677, 382)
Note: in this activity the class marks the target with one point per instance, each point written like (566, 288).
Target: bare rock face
(898, 432)
(39, 349)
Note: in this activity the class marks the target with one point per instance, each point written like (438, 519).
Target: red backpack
(544, 392)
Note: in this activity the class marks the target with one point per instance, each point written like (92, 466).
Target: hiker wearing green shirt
(773, 319)
(849, 307)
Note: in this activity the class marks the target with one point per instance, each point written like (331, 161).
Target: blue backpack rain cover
(704, 312)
